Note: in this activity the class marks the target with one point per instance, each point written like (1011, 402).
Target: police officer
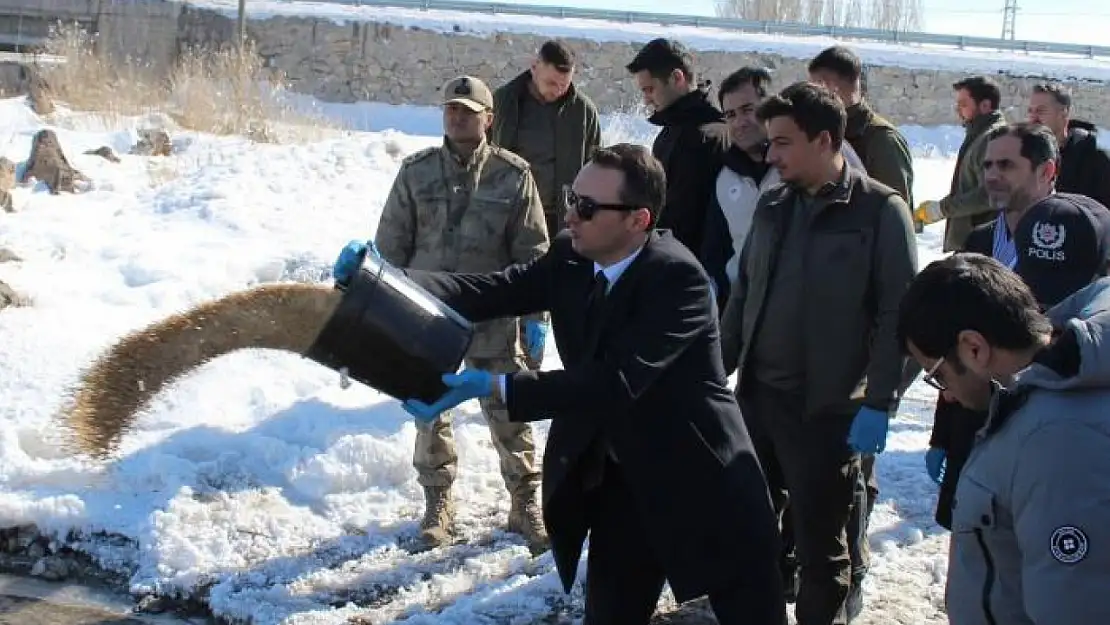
(1057, 243)
(470, 206)
(1032, 515)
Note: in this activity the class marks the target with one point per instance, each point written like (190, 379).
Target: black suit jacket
(652, 383)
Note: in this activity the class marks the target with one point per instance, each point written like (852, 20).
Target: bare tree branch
(894, 15)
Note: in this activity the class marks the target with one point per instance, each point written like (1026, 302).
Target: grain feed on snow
(116, 387)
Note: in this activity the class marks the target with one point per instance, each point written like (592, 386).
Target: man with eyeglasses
(468, 205)
(1032, 524)
(647, 452)
(1056, 242)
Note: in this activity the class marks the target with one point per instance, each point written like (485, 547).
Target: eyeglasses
(932, 377)
(587, 207)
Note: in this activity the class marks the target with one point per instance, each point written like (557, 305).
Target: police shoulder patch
(1069, 544)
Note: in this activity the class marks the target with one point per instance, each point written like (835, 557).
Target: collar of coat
(833, 192)
(860, 116)
(476, 157)
(519, 86)
(694, 108)
(979, 124)
(1062, 356)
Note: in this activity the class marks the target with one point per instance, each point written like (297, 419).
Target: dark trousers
(623, 578)
(867, 491)
(810, 467)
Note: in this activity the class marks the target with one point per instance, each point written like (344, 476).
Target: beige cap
(470, 92)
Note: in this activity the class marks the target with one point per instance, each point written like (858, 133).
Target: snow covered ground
(923, 57)
(258, 484)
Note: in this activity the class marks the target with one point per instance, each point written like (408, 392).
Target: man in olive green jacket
(544, 118)
(966, 206)
(880, 145)
(809, 331)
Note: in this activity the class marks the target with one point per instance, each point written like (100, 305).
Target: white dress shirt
(612, 274)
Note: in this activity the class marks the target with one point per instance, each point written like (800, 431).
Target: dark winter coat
(883, 149)
(861, 255)
(579, 132)
(1084, 168)
(649, 385)
(691, 147)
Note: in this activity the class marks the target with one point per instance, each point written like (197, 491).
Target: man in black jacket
(647, 451)
(1084, 167)
(809, 329)
(693, 140)
(1057, 242)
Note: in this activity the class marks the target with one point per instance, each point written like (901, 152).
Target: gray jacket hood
(1086, 313)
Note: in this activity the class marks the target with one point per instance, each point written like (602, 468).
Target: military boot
(526, 519)
(438, 527)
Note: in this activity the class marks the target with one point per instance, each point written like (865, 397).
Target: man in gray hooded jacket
(1031, 522)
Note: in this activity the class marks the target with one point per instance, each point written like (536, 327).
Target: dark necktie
(596, 302)
(592, 465)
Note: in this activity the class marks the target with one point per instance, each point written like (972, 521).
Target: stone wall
(383, 62)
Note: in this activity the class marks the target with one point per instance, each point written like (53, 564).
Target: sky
(1069, 21)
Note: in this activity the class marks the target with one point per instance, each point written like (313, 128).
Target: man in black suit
(647, 450)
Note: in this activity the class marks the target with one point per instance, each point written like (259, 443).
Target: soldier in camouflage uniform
(470, 206)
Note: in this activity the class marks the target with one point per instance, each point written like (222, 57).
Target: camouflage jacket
(480, 215)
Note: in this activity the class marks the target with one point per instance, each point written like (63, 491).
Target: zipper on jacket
(988, 583)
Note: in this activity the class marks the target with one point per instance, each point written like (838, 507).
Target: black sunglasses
(587, 207)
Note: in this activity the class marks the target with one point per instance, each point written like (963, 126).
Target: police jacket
(1031, 521)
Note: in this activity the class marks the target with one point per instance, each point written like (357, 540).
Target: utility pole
(1009, 18)
(243, 24)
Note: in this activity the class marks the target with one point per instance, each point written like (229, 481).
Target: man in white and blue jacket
(1031, 518)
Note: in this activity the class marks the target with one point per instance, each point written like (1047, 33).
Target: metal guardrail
(29, 58)
(750, 26)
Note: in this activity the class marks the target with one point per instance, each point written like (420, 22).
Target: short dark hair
(968, 292)
(645, 181)
(814, 108)
(1038, 143)
(840, 61)
(662, 56)
(981, 88)
(758, 77)
(1060, 94)
(557, 54)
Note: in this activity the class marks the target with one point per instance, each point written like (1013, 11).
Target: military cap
(470, 92)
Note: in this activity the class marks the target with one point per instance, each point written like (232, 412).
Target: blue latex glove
(868, 432)
(535, 336)
(470, 384)
(350, 259)
(935, 463)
